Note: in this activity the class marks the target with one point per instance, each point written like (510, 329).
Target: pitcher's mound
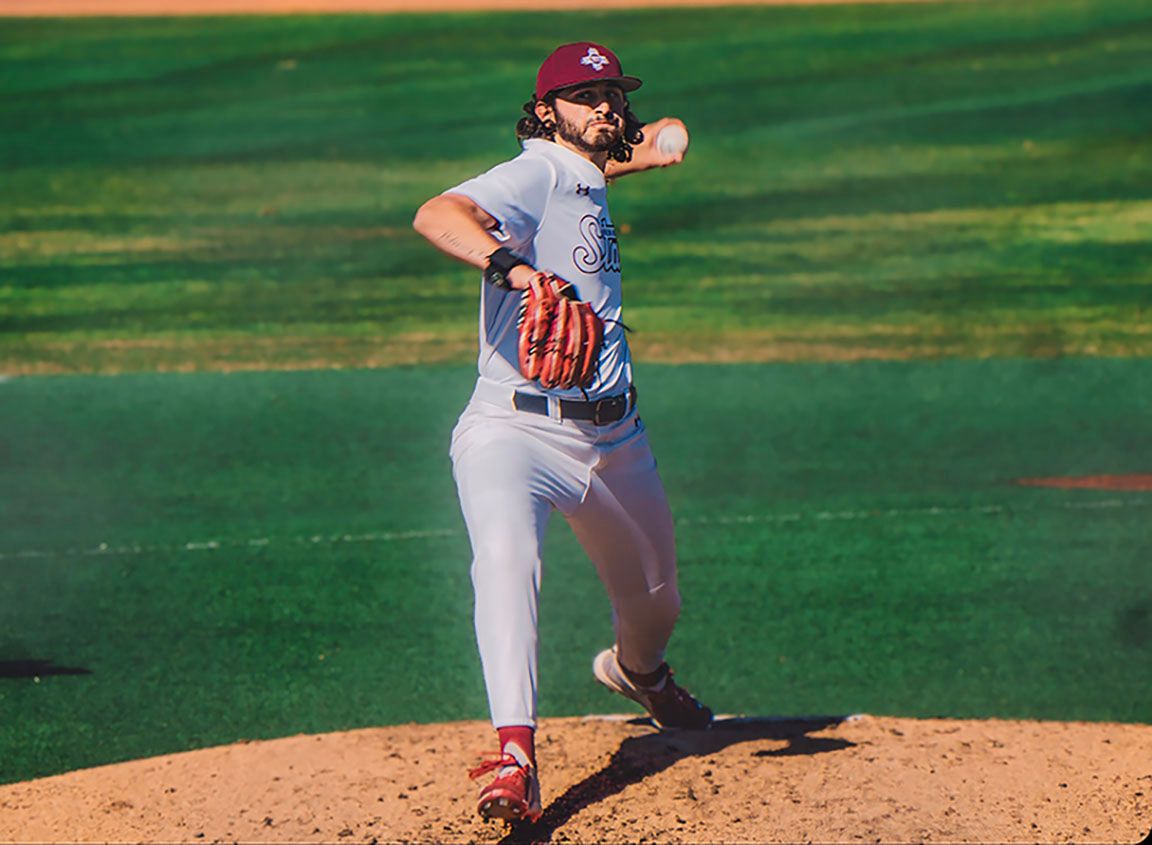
(614, 780)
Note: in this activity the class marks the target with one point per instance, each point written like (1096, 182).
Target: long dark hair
(530, 126)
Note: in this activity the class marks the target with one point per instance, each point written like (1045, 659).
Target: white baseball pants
(512, 469)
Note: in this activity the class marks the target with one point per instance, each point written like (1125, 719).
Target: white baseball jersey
(551, 206)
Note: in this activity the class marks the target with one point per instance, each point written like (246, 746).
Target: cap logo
(595, 60)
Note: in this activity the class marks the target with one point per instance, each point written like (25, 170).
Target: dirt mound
(761, 780)
(1093, 482)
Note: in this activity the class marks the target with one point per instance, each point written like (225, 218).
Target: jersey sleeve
(515, 193)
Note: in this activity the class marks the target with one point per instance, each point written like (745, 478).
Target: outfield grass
(945, 180)
(256, 554)
(253, 555)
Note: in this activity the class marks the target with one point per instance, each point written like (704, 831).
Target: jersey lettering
(600, 250)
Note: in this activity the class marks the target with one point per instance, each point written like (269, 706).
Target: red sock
(523, 736)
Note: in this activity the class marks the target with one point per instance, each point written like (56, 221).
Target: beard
(599, 140)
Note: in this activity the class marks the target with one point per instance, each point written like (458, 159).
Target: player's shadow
(639, 757)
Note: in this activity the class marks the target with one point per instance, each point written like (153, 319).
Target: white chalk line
(888, 513)
(108, 550)
(105, 549)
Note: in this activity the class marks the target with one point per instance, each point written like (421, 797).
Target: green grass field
(865, 181)
(258, 554)
(189, 558)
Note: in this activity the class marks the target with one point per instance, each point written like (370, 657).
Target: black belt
(601, 412)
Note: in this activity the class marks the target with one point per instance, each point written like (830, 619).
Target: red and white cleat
(514, 794)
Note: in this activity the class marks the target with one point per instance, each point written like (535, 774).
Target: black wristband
(500, 264)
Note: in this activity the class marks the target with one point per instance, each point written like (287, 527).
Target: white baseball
(672, 139)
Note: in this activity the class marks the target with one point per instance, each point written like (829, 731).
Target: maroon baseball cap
(576, 64)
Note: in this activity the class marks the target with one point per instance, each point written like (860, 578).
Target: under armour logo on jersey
(582, 190)
(595, 59)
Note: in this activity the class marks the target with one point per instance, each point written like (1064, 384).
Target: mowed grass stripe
(728, 522)
(926, 181)
(919, 579)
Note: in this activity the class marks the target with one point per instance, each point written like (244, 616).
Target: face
(590, 117)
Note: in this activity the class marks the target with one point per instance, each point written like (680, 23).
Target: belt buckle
(605, 405)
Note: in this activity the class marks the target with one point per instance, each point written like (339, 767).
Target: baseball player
(552, 423)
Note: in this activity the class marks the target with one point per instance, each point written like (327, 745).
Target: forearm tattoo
(460, 248)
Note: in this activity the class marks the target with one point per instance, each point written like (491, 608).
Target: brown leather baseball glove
(560, 336)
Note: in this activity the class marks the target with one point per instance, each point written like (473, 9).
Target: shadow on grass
(639, 757)
(37, 669)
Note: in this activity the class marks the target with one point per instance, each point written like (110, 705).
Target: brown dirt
(1093, 482)
(748, 780)
(266, 7)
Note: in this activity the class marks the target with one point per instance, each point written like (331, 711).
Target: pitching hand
(646, 155)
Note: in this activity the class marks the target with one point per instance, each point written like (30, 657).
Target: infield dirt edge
(763, 780)
(150, 8)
